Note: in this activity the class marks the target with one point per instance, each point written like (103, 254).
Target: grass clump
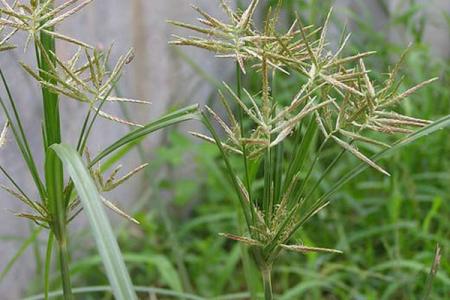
(337, 102)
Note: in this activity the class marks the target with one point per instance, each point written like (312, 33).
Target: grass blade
(20, 137)
(33, 236)
(435, 126)
(48, 263)
(140, 289)
(433, 271)
(231, 173)
(106, 243)
(175, 117)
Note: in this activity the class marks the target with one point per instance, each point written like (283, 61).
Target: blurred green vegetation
(387, 227)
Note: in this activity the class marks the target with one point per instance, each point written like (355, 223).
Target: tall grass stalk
(53, 166)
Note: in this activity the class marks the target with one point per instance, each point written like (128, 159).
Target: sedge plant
(337, 103)
(85, 77)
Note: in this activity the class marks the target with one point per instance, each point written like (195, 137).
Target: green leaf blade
(106, 243)
(181, 115)
(440, 124)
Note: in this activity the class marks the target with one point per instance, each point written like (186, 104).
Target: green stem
(241, 125)
(48, 260)
(55, 186)
(267, 191)
(54, 174)
(37, 253)
(266, 273)
(64, 269)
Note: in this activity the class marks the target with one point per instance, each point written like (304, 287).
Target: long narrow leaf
(433, 271)
(106, 243)
(15, 123)
(435, 126)
(175, 117)
(23, 247)
(145, 290)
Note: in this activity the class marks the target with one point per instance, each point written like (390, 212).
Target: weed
(337, 100)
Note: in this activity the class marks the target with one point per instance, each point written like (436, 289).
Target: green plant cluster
(301, 122)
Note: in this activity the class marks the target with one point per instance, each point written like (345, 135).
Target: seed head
(335, 92)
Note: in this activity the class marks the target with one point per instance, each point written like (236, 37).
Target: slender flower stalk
(54, 176)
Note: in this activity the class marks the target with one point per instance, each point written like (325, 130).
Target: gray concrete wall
(157, 74)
